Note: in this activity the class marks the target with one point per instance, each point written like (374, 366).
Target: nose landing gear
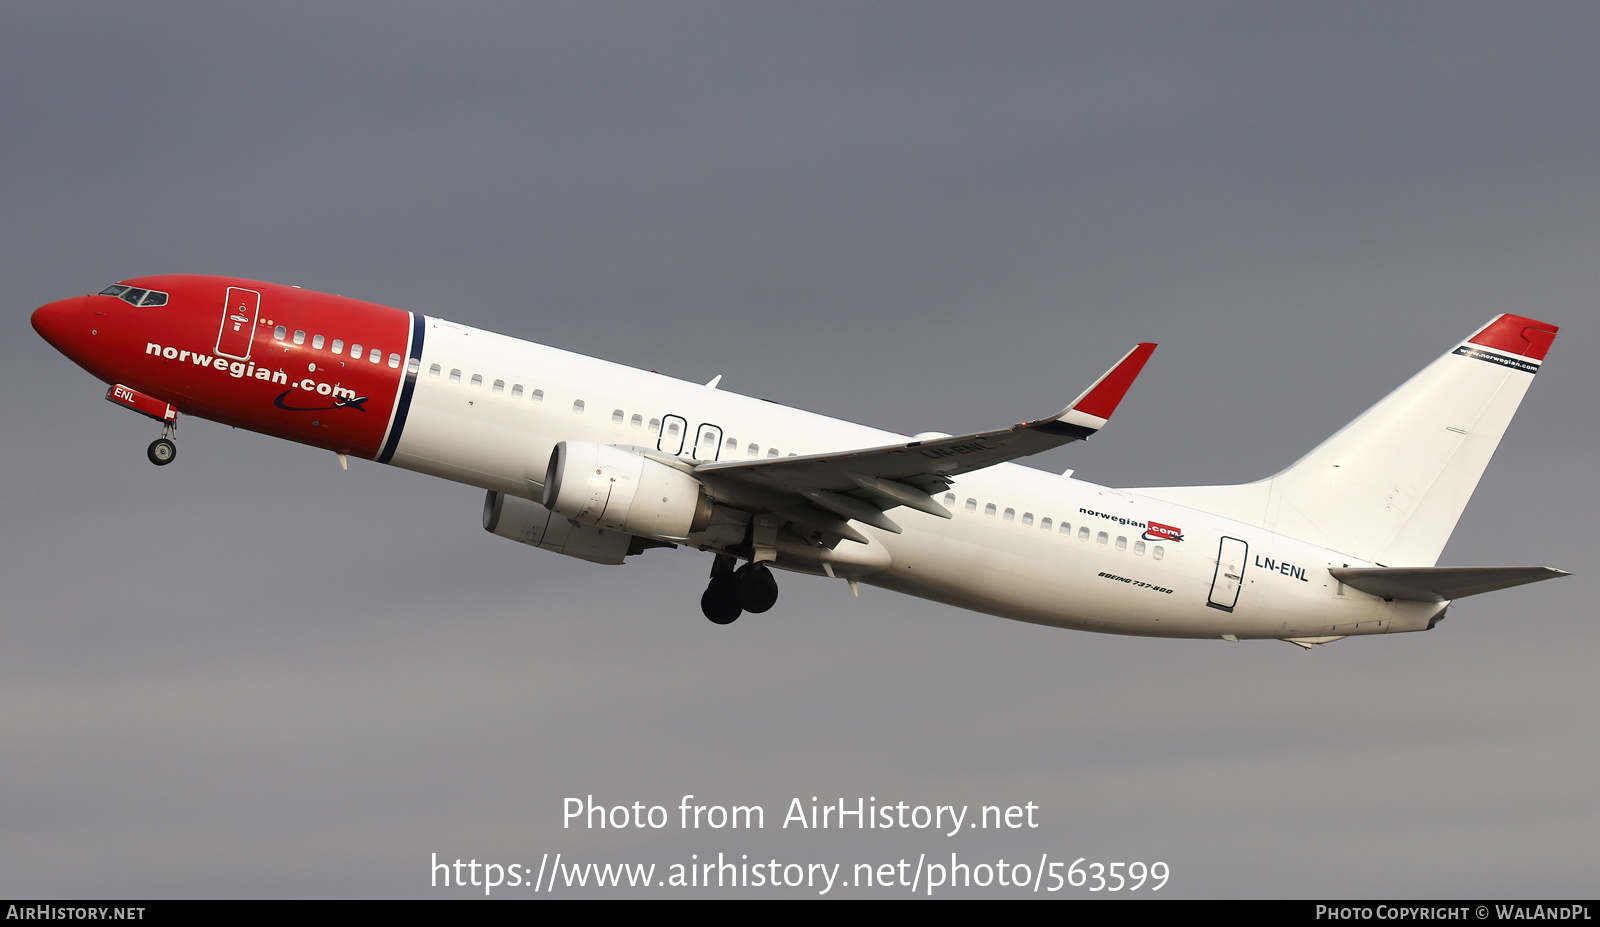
(164, 449)
(731, 592)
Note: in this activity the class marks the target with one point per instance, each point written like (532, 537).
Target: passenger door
(1225, 584)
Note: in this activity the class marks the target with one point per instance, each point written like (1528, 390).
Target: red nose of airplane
(63, 322)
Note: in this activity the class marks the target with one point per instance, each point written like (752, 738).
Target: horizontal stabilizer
(1440, 584)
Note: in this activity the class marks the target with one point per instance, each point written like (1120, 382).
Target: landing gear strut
(163, 450)
(731, 592)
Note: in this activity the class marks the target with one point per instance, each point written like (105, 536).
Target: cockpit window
(134, 296)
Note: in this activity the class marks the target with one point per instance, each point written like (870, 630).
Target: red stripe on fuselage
(295, 391)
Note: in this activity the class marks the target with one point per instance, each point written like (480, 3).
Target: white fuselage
(1022, 543)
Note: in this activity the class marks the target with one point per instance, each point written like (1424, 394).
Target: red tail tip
(1516, 334)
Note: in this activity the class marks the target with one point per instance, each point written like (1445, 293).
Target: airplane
(602, 462)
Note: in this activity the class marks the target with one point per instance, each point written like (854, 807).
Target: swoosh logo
(358, 403)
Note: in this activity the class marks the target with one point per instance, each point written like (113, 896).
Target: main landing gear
(164, 449)
(732, 592)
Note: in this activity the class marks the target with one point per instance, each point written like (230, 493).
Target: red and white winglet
(1093, 409)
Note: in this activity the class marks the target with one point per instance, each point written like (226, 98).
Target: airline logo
(341, 397)
(1156, 531)
(237, 369)
(1153, 530)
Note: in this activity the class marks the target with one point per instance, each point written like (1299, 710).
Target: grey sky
(254, 674)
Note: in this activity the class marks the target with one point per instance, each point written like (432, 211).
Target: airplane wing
(861, 484)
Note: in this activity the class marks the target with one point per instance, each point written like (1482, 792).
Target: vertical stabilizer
(1390, 486)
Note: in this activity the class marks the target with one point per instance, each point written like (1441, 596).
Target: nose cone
(63, 323)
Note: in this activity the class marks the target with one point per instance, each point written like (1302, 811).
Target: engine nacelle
(618, 490)
(531, 523)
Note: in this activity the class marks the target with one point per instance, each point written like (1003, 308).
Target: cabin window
(412, 366)
(376, 355)
(1138, 548)
(655, 426)
(709, 439)
(455, 374)
(949, 500)
(433, 371)
(299, 337)
(338, 346)
(793, 454)
(772, 452)
(279, 332)
(355, 351)
(1157, 553)
(577, 407)
(1066, 529)
(754, 450)
(989, 510)
(1046, 525)
(1027, 519)
(477, 381)
(516, 391)
(1122, 543)
(1102, 538)
(637, 421)
(616, 416)
(1011, 514)
(672, 429)
(499, 386)
(972, 505)
(732, 445)
(1083, 534)
(316, 342)
(394, 360)
(538, 395)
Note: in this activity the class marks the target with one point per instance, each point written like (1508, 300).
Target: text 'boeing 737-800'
(599, 461)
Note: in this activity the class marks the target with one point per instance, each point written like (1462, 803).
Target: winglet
(1092, 409)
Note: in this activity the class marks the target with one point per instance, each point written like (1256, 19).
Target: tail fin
(1390, 486)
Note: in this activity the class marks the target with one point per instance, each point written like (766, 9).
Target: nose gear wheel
(161, 452)
(164, 449)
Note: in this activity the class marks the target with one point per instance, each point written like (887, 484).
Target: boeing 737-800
(599, 461)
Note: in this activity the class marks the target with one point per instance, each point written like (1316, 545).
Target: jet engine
(617, 489)
(531, 523)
